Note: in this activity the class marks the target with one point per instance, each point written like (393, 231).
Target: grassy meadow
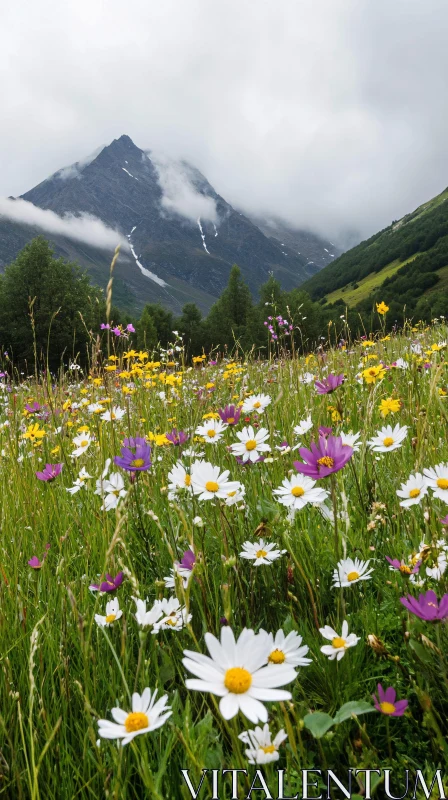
(71, 653)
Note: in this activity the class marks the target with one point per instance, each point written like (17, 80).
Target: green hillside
(406, 264)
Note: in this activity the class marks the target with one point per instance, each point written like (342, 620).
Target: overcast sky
(330, 113)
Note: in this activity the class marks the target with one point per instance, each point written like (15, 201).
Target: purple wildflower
(329, 456)
(387, 704)
(130, 328)
(323, 431)
(188, 560)
(444, 521)
(35, 562)
(50, 472)
(34, 409)
(105, 326)
(137, 461)
(177, 437)
(427, 606)
(230, 414)
(329, 384)
(402, 567)
(116, 331)
(109, 585)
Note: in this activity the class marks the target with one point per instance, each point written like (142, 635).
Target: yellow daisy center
(297, 491)
(211, 486)
(442, 483)
(277, 657)
(338, 641)
(138, 462)
(251, 444)
(172, 622)
(326, 461)
(230, 420)
(84, 443)
(387, 708)
(111, 618)
(414, 493)
(231, 494)
(353, 576)
(187, 480)
(211, 433)
(261, 553)
(388, 441)
(136, 721)
(269, 748)
(237, 680)
(257, 404)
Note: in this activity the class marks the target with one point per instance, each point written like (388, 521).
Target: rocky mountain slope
(182, 236)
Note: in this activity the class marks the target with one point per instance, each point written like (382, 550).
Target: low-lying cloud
(75, 170)
(179, 194)
(84, 228)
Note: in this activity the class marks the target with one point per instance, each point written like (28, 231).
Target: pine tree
(146, 331)
(53, 297)
(229, 316)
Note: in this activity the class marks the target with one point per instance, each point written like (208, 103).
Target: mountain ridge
(183, 236)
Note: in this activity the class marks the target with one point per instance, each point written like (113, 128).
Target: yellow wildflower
(373, 374)
(382, 308)
(389, 406)
(34, 433)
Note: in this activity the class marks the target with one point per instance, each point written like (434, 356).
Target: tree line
(51, 314)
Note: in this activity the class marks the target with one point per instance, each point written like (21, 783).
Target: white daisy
(437, 480)
(208, 482)
(349, 572)
(287, 650)
(95, 408)
(237, 672)
(82, 443)
(112, 491)
(113, 416)
(184, 573)
(388, 438)
(413, 490)
(256, 402)
(212, 430)
(297, 491)
(304, 426)
(400, 363)
(146, 715)
(236, 495)
(262, 748)
(251, 445)
(113, 613)
(307, 377)
(439, 568)
(174, 616)
(339, 643)
(146, 618)
(351, 440)
(80, 482)
(178, 478)
(260, 552)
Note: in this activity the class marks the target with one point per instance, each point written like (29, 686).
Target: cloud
(331, 115)
(84, 228)
(179, 194)
(75, 170)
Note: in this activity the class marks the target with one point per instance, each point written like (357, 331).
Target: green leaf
(421, 653)
(354, 707)
(318, 723)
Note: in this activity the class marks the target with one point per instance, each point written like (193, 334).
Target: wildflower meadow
(226, 563)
